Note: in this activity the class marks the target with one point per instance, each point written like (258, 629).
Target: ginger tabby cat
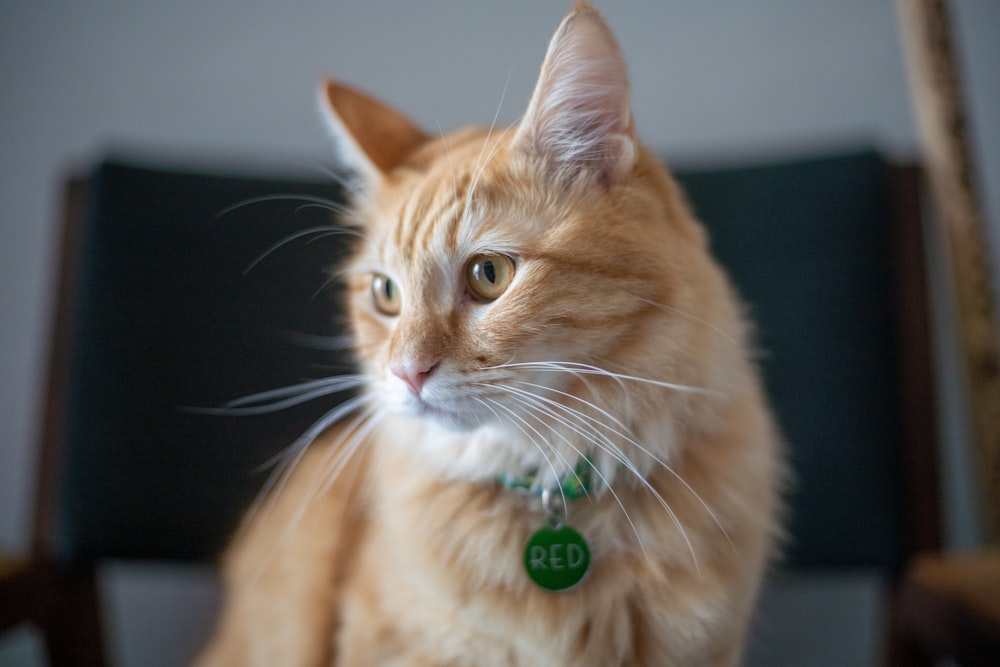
(558, 392)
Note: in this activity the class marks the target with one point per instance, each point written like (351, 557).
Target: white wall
(236, 77)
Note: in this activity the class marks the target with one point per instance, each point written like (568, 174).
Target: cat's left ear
(371, 137)
(579, 116)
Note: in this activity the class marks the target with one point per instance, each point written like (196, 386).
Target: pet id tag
(556, 556)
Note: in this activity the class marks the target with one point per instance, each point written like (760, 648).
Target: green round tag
(556, 557)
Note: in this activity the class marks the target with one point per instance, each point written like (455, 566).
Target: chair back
(164, 305)
(828, 252)
(163, 308)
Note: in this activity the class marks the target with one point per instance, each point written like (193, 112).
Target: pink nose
(414, 374)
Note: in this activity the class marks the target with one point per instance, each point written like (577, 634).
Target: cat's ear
(371, 138)
(579, 115)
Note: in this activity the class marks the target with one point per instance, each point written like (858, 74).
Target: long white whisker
(339, 177)
(607, 484)
(587, 403)
(532, 409)
(290, 457)
(323, 202)
(332, 464)
(335, 277)
(451, 163)
(298, 393)
(630, 440)
(315, 341)
(480, 165)
(353, 185)
(326, 230)
(693, 318)
(538, 446)
(587, 369)
(604, 443)
(336, 460)
(336, 382)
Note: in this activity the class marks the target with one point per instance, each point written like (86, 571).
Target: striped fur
(619, 339)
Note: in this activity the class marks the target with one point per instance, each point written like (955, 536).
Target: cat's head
(540, 290)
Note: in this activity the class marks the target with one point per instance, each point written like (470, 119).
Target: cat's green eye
(489, 275)
(385, 295)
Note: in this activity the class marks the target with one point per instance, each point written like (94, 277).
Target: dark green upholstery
(165, 318)
(808, 244)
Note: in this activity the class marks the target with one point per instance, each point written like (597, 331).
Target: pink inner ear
(579, 114)
(384, 135)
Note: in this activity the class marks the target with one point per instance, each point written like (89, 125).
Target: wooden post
(937, 98)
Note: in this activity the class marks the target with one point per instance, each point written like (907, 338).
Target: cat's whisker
(340, 208)
(332, 279)
(480, 165)
(574, 397)
(287, 397)
(323, 202)
(335, 174)
(478, 172)
(489, 158)
(342, 450)
(332, 464)
(532, 410)
(630, 440)
(335, 383)
(604, 443)
(326, 230)
(316, 341)
(357, 192)
(532, 440)
(538, 445)
(337, 459)
(493, 124)
(607, 484)
(584, 425)
(289, 458)
(538, 403)
(451, 162)
(588, 369)
(694, 318)
(582, 378)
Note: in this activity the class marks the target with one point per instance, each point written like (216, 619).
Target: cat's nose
(414, 374)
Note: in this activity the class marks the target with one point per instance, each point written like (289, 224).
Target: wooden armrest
(971, 579)
(949, 606)
(24, 591)
(64, 604)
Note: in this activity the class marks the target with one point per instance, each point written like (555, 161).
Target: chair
(161, 307)
(829, 254)
(949, 607)
(157, 310)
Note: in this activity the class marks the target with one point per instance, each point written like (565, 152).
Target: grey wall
(711, 80)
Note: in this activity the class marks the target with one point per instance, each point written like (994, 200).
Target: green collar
(573, 486)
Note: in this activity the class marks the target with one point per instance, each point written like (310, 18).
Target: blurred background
(233, 82)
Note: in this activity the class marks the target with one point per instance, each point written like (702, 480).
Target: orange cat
(562, 454)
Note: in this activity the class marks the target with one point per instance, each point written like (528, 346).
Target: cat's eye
(385, 295)
(489, 275)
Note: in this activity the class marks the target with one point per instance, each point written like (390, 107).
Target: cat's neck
(485, 456)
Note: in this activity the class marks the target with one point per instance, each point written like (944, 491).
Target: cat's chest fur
(391, 565)
(438, 574)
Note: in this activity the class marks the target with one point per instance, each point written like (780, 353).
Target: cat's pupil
(490, 272)
(387, 288)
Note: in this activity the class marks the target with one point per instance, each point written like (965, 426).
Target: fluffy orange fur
(617, 340)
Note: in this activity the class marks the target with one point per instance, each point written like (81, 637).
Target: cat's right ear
(579, 118)
(370, 137)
